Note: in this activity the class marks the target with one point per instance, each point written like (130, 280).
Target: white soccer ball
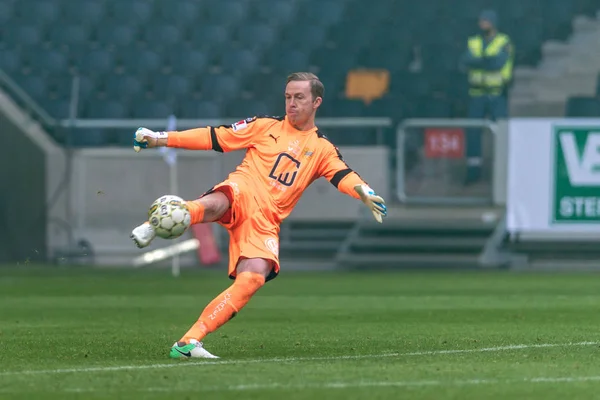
(169, 216)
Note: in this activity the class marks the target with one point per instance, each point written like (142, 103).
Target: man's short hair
(316, 86)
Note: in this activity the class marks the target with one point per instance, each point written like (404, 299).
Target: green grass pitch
(71, 333)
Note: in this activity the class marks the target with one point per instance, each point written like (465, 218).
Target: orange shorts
(251, 233)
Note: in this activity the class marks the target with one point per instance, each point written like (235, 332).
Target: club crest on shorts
(272, 245)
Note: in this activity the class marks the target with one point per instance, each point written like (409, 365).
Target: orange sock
(225, 306)
(196, 211)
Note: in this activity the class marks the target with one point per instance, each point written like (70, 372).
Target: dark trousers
(481, 107)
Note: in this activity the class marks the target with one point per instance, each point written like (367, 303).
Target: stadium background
(90, 72)
(452, 299)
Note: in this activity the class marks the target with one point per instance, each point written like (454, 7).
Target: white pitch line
(188, 363)
(349, 385)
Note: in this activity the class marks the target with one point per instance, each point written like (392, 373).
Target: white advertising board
(554, 176)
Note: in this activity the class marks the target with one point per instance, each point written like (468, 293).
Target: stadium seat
(141, 61)
(275, 12)
(200, 110)
(105, 109)
(242, 61)
(131, 12)
(256, 37)
(71, 35)
(167, 36)
(171, 87)
(311, 38)
(188, 62)
(22, 35)
(244, 108)
(209, 36)
(6, 11)
(10, 61)
(87, 137)
(582, 107)
(179, 12)
(151, 109)
(46, 12)
(87, 12)
(96, 62)
(33, 85)
(115, 36)
(122, 86)
(286, 61)
(220, 87)
(321, 13)
(57, 108)
(226, 13)
(367, 85)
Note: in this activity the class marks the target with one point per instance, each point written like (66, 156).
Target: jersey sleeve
(338, 173)
(222, 138)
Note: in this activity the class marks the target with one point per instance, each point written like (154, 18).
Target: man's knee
(215, 205)
(259, 266)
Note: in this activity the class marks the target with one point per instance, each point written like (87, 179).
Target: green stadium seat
(188, 62)
(84, 11)
(256, 37)
(580, 106)
(151, 109)
(244, 108)
(33, 85)
(121, 36)
(240, 61)
(10, 61)
(22, 35)
(220, 87)
(167, 36)
(105, 109)
(179, 12)
(287, 61)
(129, 12)
(122, 86)
(275, 12)
(199, 109)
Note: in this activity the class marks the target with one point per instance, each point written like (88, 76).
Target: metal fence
(445, 161)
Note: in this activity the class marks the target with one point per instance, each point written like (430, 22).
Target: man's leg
(477, 109)
(208, 208)
(251, 276)
(498, 107)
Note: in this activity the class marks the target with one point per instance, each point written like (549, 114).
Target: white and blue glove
(144, 138)
(375, 203)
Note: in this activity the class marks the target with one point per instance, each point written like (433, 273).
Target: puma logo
(274, 138)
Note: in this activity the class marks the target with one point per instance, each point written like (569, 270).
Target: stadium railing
(445, 161)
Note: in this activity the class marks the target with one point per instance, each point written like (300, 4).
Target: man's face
(485, 25)
(299, 104)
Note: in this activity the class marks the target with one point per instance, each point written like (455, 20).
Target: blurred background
(475, 119)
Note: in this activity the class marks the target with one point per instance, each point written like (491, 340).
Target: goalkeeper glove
(375, 203)
(144, 138)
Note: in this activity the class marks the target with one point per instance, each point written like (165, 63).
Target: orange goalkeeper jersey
(280, 162)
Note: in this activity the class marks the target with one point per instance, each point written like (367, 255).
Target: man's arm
(496, 62)
(221, 138)
(340, 175)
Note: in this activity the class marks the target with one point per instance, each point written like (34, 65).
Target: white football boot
(194, 349)
(143, 235)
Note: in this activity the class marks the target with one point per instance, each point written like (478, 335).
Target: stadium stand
(227, 58)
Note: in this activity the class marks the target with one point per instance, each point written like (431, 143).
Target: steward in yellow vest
(489, 59)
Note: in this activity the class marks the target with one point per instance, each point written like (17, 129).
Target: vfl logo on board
(285, 169)
(272, 245)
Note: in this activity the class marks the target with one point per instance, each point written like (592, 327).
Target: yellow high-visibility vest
(490, 82)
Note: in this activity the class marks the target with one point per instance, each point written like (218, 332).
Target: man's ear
(318, 101)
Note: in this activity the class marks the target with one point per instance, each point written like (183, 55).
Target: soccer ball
(169, 216)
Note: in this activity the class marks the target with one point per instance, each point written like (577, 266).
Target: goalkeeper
(283, 157)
